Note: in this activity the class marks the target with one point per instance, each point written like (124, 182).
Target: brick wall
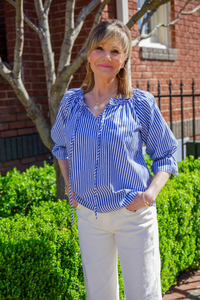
(185, 37)
(2, 33)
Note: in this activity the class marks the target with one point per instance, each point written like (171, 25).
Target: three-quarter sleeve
(157, 136)
(57, 133)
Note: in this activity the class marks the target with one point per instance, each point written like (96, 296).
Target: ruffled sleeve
(157, 136)
(57, 131)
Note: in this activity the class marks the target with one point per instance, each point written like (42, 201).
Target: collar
(113, 101)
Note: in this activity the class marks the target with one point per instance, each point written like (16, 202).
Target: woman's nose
(106, 55)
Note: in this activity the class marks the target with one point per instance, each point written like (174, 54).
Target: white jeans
(131, 235)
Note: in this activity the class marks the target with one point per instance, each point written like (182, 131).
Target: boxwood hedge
(39, 251)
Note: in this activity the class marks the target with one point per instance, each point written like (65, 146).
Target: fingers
(74, 202)
(137, 203)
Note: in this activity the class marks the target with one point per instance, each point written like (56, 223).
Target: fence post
(148, 86)
(159, 100)
(182, 130)
(170, 101)
(193, 104)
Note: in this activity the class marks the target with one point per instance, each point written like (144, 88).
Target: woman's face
(106, 60)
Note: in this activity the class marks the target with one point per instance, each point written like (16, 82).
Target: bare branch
(99, 12)
(5, 72)
(33, 26)
(45, 39)
(85, 12)
(150, 14)
(19, 43)
(148, 5)
(39, 8)
(142, 37)
(68, 70)
(191, 12)
(47, 5)
(83, 53)
(68, 41)
(31, 108)
(72, 34)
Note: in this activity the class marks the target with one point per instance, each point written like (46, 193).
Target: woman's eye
(99, 48)
(115, 51)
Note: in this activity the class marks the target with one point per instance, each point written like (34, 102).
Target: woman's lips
(105, 66)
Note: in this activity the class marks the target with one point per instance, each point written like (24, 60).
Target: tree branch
(148, 5)
(150, 14)
(26, 19)
(47, 5)
(85, 11)
(19, 39)
(39, 8)
(45, 39)
(31, 108)
(5, 72)
(72, 33)
(73, 67)
(142, 37)
(68, 41)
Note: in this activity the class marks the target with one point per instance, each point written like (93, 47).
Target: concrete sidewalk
(187, 288)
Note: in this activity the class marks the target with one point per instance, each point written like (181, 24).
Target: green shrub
(19, 192)
(40, 256)
(39, 253)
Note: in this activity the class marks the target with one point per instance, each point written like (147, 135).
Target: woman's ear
(125, 62)
(88, 56)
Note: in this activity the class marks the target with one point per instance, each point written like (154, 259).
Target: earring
(125, 73)
(88, 68)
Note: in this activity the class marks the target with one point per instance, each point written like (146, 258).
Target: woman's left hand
(138, 201)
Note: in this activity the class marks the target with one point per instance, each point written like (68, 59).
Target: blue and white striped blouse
(107, 167)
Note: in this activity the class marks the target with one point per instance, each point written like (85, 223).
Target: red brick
(9, 133)
(3, 110)
(43, 157)
(15, 125)
(16, 109)
(25, 131)
(4, 172)
(8, 118)
(22, 117)
(11, 164)
(3, 126)
(28, 160)
(3, 95)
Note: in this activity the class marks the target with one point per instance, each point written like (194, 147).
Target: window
(161, 38)
(157, 47)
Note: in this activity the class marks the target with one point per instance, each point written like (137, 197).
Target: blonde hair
(110, 31)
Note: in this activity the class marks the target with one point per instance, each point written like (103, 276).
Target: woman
(99, 132)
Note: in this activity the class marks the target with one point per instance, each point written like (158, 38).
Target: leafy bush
(39, 253)
(19, 192)
(40, 256)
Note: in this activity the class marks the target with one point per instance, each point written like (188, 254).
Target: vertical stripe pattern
(107, 168)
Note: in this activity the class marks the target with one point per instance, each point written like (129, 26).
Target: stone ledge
(158, 54)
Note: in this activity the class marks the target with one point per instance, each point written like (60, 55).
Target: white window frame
(161, 38)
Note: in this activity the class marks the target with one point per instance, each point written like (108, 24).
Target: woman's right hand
(74, 202)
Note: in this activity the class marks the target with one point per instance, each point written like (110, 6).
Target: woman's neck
(103, 88)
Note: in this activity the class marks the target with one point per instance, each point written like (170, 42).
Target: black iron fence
(26, 146)
(193, 146)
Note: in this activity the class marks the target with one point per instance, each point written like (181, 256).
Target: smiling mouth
(105, 66)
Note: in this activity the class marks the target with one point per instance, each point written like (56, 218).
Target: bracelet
(145, 202)
(66, 185)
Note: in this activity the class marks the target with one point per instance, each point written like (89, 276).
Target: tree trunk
(59, 181)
